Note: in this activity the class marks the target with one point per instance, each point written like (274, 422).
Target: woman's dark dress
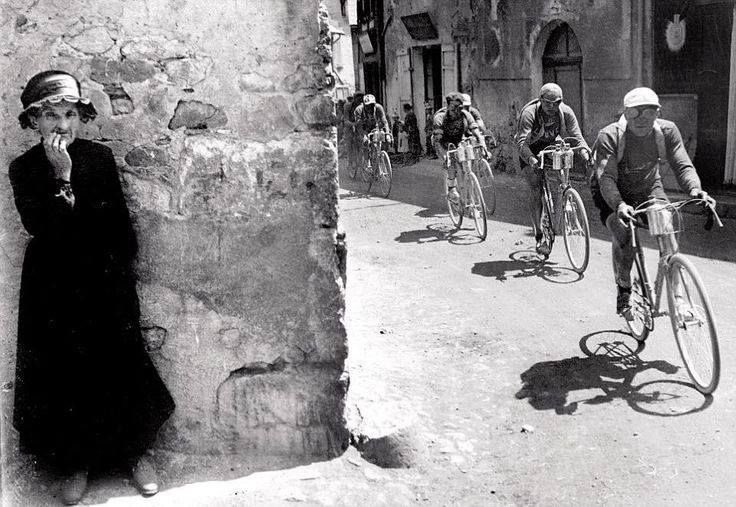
(86, 392)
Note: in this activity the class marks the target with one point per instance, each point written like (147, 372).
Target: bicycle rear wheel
(693, 324)
(640, 322)
(385, 174)
(477, 206)
(575, 230)
(487, 182)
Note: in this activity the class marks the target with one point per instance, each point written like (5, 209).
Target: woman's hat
(54, 86)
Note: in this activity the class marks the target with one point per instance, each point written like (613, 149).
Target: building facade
(502, 51)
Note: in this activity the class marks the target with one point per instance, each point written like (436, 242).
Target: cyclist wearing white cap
(628, 155)
(368, 116)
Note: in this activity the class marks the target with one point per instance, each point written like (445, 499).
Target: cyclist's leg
(534, 182)
(452, 181)
(622, 258)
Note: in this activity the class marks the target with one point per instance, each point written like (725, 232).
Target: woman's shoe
(74, 488)
(144, 477)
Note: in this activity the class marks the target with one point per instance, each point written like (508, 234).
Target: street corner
(385, 434)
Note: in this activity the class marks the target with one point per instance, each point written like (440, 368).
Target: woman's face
(62, 119)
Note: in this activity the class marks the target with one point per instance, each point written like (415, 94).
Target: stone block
(94, 40)
(146, 156)
(112, 71)
(194, 114)
(293, 411)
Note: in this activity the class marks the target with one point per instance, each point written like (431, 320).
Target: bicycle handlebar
(709, 204)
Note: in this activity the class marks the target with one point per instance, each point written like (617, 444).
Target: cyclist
(467, 105)
(450, 126)
(541, 122)
(628, 156)
(368, 116)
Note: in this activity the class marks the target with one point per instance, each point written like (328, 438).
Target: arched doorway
(562, 63)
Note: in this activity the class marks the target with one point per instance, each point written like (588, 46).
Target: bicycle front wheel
(477, 206)
(575, 230)
(455, 210)
(385, 174)
(640, 322)
(487, 184)
(693, 324)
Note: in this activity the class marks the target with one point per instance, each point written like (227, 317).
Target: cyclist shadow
(610, 366)
(439, 232)
(523, 264)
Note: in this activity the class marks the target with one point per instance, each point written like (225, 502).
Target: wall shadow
(610, 364)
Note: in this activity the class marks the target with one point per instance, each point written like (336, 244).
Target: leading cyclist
(629, 154)
(541, 122)
(450, 126)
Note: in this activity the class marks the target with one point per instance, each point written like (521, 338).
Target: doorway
(562, 63)
(432, 60)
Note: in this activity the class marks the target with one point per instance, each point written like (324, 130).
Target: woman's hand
(55, 147)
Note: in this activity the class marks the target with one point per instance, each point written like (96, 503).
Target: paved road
(512, 380)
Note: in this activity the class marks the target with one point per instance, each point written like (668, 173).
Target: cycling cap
(369, 99)
(454, 96)
(466, 99)
(551, 91)
(641, 97)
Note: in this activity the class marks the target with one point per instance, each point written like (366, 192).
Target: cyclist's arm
(573, 127)
(526, 123)
(478, 119)
(679, 160)
(606, 167)
(473, 129)
(381, 121)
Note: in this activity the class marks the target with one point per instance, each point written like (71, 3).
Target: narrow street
(513, 380)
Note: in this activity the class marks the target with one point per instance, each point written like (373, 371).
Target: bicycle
(689, 306)
(482, 170)
(471, 196)
(377, 167)
(573, 218)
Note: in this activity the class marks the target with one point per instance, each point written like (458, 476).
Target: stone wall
(220, 118)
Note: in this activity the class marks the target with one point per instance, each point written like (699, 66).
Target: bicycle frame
(464, 157)
(375, 145)
(562, 160)
(652, 292)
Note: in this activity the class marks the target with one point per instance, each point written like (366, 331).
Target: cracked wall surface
(221, 123)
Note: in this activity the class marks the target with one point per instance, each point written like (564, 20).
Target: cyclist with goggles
(628, 157)
(541, 121)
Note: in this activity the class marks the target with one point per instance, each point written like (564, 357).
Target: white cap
(641, 97)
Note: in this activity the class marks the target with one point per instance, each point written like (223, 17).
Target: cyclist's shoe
(453, 196)
(543, 247)
(623, 302)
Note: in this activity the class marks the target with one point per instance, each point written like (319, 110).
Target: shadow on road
(523, 264)
(439, 232)
(610, 365)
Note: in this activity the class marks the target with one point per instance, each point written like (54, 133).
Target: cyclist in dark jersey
(541, 122)
(451, 126)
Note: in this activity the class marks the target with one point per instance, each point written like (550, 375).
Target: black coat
(86, 390)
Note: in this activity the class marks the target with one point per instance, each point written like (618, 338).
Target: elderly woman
(87, 394)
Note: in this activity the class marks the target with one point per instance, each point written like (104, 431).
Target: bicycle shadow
(439, 232)
(610, 365)
(431, 233)
(523, 264)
